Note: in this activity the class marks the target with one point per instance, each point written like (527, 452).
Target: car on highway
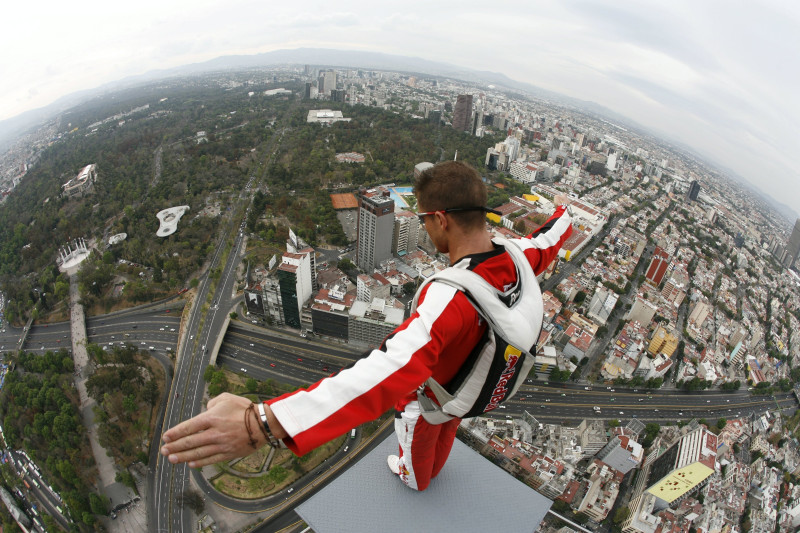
(300, 359)
(244, 370)
(272, 365)
(251, 344)
(290, 490)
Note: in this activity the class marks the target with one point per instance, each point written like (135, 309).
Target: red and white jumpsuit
(433, 342)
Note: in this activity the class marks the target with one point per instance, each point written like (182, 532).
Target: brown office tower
(462, 114)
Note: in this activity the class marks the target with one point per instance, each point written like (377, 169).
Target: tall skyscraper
(462, 114)
(793, 246)
(406, 233)
(513, 147)
(338, 95)
(683, 467)
(330, 81)
(611, 163)
(294, 278)
(296, 245)
(375, 228)
(694, 191)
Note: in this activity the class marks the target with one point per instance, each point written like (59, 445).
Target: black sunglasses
(422, 216)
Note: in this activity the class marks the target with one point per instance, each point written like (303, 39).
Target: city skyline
(683, 70)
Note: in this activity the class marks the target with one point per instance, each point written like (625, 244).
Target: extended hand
(218, 434)
(561, 199)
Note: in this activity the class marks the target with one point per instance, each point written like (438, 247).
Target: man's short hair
(453, 184)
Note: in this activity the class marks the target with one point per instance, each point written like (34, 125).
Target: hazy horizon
(710, 76)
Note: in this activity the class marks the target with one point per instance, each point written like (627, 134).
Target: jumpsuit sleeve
(364, 391)
(542, 246)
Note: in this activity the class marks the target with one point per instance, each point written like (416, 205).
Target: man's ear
(442, 217)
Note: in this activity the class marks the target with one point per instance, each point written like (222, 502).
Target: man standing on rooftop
(434, 342)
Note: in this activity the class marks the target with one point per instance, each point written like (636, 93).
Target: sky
(720, 76)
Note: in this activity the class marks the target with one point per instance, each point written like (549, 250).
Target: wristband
(274, 442)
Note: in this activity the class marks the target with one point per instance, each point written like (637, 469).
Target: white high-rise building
(375, 228)
(294, 277)
(406, 232)
(513, 147)
(611, 164)
(330, 81)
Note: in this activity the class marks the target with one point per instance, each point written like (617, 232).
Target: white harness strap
(514, 318)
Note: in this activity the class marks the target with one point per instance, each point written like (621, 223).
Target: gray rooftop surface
(470, 494)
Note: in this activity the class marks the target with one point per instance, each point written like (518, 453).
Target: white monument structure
(169, 218)
(119, 237)
(72, 254)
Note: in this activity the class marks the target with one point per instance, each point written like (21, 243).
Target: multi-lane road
(570, 403)
(264, 354)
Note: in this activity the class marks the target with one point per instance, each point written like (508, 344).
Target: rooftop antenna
(455, 157)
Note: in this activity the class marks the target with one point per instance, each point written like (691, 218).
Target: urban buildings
(294, 277)
(462, 113)
(325, 116)
(694, 191)
(406, 233)
(622, 453)
(375, 228)
(370, 323)
(663, 341)
(793, 246)
(658, 266)
(81, 184)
